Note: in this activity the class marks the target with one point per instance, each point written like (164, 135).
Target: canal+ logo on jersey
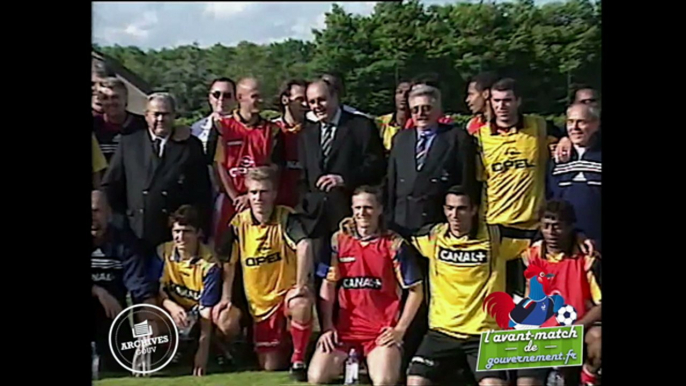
(148, 344)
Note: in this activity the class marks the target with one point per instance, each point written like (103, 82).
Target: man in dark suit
(155, 171)
(338, 153)
(425, 161)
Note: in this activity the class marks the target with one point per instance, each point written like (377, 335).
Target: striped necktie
(422, 150)
(327, 139)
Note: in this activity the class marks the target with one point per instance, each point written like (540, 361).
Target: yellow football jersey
(268, 257)
(193, 282)
(513, 167)
(462, 272)
(387, 130)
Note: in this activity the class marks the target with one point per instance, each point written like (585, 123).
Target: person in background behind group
(268, 242)
(577, 277)
(222, 100)
(117, 269)
(478, 96)
(292, 104)
(155, 171)
(246, 140)
(100, 70)
(586, 95)
(99, 162)
(390, 124)
(190, 284)
(115, 120)
(370, 269)
(579, 181)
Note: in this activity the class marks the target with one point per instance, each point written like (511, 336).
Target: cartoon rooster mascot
(532, 311)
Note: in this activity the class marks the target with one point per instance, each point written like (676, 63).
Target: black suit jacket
(356, 154)
(147, 190)
(415, 199)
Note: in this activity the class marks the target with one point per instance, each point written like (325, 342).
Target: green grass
(247, 378)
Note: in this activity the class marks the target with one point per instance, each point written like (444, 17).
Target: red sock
(301, 338)
(588, 378)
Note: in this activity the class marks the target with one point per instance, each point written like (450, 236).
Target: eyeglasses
(226, 95)
(423, 108)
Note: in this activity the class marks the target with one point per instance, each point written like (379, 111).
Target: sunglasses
(226, 95)
(423, 108)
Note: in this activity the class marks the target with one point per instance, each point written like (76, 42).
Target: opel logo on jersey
(363, 282)
(257, 261)
(148, 344)
(508, 165)
(475, 257)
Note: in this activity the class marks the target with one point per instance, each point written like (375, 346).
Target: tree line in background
(547, 48)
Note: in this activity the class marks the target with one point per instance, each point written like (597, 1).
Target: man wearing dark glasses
(222, 100)
(425, 161)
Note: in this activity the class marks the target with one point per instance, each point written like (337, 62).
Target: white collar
(154, 137)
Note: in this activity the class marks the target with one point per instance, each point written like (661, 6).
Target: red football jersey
(474, 125)
(241, 147)
(576, 278)
(371, 275)
(288, 193)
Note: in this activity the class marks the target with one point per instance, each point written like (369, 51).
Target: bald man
(579, 180)
(117, 269)
(338, 153)
(245, 140)
(339, 88)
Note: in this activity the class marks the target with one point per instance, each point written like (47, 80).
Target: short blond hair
(261, 174)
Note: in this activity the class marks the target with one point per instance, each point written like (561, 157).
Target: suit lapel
(411, 150)
(149, 160)
(170, 156)
(339, 136)
(438, 147)
(314, 140)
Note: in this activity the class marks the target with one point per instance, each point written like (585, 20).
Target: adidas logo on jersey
(479, 256)
(364, 282)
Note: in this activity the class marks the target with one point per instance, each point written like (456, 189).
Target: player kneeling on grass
(116, 269)
(466, 264)
(370, 266)
(191, 282)
(577, 277)
(275, 256)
